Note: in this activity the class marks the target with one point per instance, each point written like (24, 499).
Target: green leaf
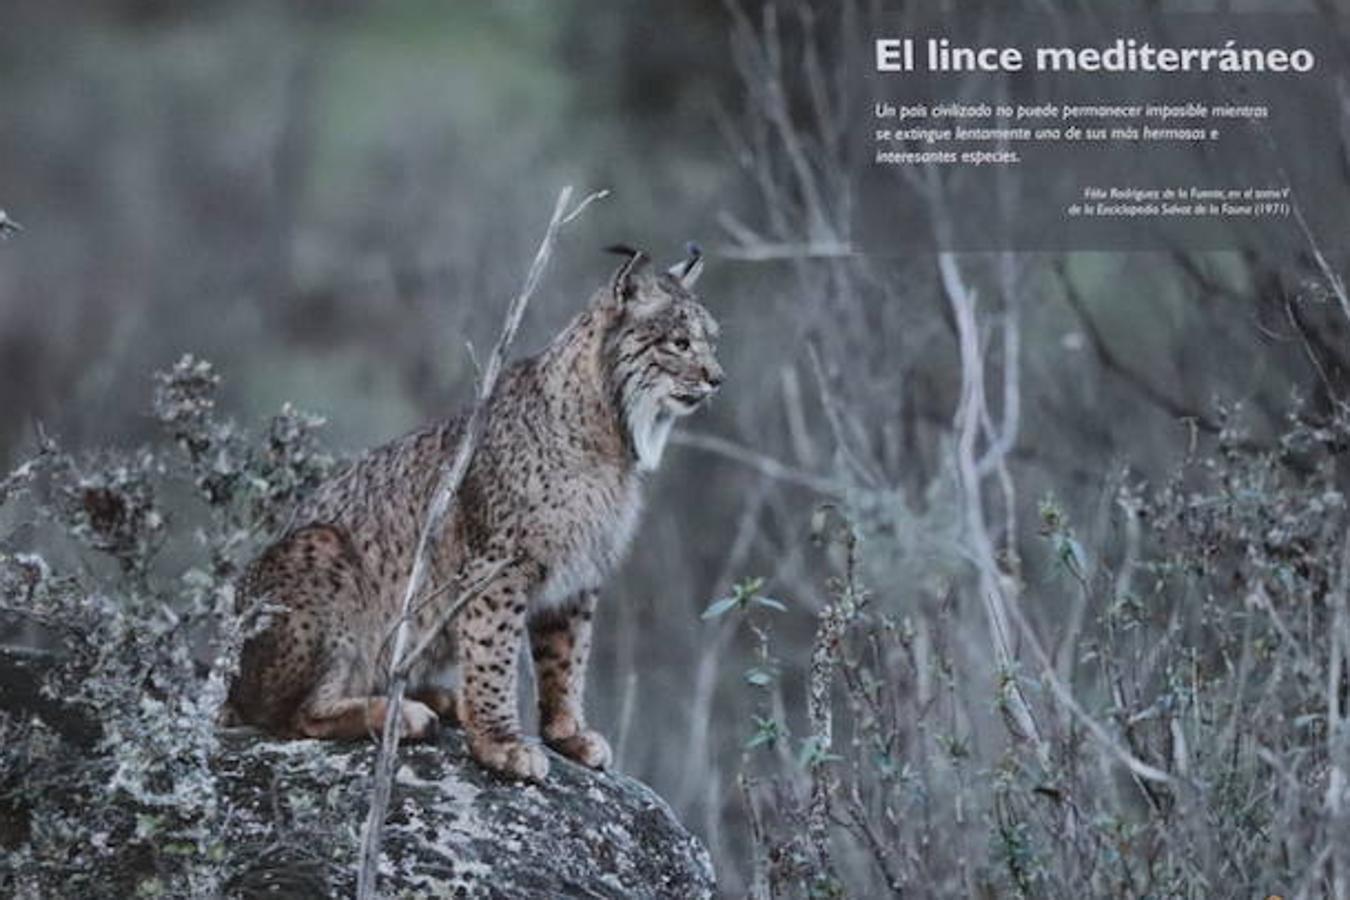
(814, 752)
(770, 603)
(759, 677)
(767, 733)
(749, 587)
(719, 607)
(1071, 552)
(885, 763)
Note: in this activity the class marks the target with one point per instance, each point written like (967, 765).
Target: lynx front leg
(560, 641)
(488, 636)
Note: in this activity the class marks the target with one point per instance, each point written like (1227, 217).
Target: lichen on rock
(456, 830)
(285, 820)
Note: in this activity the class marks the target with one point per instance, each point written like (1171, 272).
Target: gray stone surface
(292, 813)
(457, 831)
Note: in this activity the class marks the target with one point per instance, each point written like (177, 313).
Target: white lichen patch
(458, 791)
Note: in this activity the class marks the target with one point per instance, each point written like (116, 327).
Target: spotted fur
(544, 514)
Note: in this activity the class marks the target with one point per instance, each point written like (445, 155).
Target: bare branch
(992, 585)
(1338, 733)
(769, 251)
(760, 885)
(452, 475)
(8, 226)
(764, 464)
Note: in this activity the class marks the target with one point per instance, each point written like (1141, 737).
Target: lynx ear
(687, 270)
(623, 286)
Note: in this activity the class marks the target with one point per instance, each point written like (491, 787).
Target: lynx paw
(418, 721)
(443, 702)
(586, 747)
(513, 758)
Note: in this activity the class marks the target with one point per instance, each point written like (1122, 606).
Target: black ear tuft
(693, 257)
(687, 270)
(622, 286)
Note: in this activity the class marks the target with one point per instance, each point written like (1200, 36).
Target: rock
(290, 814)
(454, 830)
(21, 673)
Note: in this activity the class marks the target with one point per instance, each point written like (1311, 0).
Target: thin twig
(449, 613)
(764, 464)
(452, 475)
(1338, 735)
(698, 747)
(8, 226)
(771, 251)
(761, 888)
(1018, 716)
(825, 654)
(1136, 766)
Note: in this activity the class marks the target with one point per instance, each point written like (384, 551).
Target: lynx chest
(588, 536)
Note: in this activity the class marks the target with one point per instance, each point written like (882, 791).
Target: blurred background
(329, 201)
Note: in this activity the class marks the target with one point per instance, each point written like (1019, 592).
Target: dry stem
(452, 475)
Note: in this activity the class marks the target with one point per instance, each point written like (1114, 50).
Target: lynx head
(660, 350)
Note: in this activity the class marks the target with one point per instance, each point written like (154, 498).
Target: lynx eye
(680, 343)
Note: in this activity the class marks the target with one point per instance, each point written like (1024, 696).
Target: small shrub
(1213, 649)
(145, 651)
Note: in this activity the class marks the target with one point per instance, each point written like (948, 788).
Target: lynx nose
(714, 376)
